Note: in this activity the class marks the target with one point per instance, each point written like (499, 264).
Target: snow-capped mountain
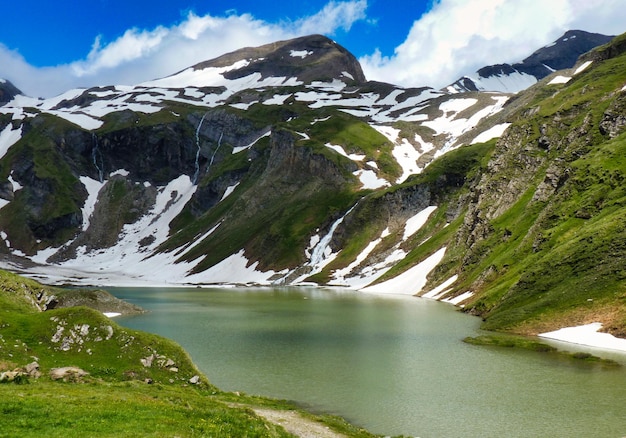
(283, 165)
(8, 91)
(106, 181)
(506, 78)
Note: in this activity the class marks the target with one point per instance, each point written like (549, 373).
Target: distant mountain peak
(306, 59)
(558, 55)
(7, 91)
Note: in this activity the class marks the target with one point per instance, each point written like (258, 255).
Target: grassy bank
(131, 384)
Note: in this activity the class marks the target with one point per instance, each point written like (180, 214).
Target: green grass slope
(121, 396)
(544, 241)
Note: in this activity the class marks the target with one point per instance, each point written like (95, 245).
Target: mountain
(506, 78)
(283, 165)
(8, 91)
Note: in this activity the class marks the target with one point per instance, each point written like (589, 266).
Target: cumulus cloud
(334, 15)
(457, 37)
(143, 54)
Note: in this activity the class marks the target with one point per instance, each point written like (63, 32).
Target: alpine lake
(395, 365)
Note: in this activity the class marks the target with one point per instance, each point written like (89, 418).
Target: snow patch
(235, 268)
(370, 180)
(493, 132)
(340, 150)
(277, 99)
(83, 120)
(8, 137)
(238, 149)
(121, 172)
(390, 132)
(322, 253)
(440, 290)
(406, 156)
(300, 53)
(126, 262)
(559, 80)
(508, 83)
(197, 241)
(411, 281)
(340, 274)
(16, 186)
(459, 299)
(413, 225)
(582, 67)
(93, 188)
(587, 335)
(229, 190)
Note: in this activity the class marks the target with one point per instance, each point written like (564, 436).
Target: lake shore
(586, 335)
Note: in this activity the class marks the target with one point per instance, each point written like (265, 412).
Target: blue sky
(49, 33)
(48, 47)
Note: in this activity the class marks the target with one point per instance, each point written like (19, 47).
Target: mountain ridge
(223, 174)
(558, 55)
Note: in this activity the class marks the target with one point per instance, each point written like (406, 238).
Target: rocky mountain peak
(7, 91)
(310, 58)
(560, 54)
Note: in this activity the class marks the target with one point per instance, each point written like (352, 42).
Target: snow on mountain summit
(506, 78)
(297, 61)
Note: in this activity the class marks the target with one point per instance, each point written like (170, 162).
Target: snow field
(8, 137)
(493, 132)
(589, 335)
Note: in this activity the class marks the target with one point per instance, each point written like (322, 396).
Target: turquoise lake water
(394, 365)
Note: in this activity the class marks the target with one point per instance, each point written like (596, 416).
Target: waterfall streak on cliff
(219, 143)
(197, 172)
(95, 152)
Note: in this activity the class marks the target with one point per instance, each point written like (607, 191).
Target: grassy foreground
(134, 409)
(134, 384)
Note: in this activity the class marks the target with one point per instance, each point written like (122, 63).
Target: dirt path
(296, 424)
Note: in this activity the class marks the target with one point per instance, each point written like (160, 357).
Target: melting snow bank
(587, 335)
(411, 281)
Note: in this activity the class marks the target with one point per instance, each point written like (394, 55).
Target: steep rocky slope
(541, 243)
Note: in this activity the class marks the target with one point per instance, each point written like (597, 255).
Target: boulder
(67, 373)
(32, 369)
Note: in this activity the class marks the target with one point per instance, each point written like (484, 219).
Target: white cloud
(458, 37)
(334, 15)
(455, 38)
(140, 55)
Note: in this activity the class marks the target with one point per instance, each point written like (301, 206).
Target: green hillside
(543, 240)
(136, 384)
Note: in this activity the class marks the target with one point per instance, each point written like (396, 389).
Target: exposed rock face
(614, 119)
(7, 91)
